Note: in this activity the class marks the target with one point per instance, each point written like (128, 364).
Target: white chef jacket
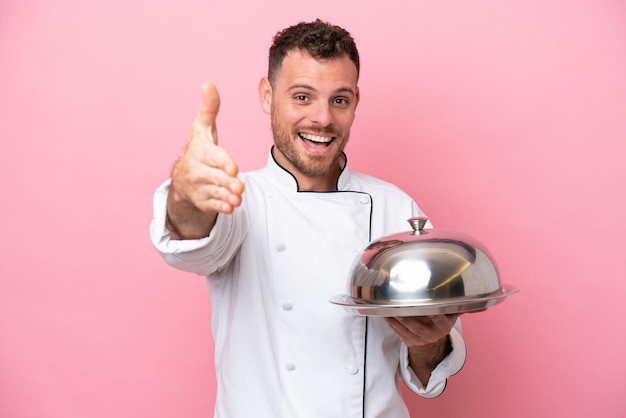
(282, 350)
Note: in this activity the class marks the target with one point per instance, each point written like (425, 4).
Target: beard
(308, 165)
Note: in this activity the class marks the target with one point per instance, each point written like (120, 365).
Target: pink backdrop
(505, 119)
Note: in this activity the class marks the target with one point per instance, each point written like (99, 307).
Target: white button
(287, 306)
(365, 200)
(280, 247)
(290, 366)
(352, 369)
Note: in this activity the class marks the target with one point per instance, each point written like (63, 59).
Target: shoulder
(257, 182)
(374, 185)
(253, 175)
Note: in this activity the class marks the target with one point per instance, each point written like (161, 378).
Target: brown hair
(319, 39)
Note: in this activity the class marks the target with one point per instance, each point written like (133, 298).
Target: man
(275, 255)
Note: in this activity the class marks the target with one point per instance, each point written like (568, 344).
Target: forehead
(299, 67)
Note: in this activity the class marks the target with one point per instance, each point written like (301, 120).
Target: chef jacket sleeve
(449, 366)
(203, 256)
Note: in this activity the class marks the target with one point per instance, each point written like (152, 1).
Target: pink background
(504, 119)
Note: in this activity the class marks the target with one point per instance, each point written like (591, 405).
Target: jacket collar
(286, 179)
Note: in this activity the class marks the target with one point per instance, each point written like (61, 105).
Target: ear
(357, 97)
(265, 95)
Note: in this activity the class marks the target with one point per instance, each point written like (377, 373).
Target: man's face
(312, 106)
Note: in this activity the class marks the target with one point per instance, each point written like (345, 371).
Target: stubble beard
(311, 165)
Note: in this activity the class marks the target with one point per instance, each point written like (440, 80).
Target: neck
(326, 183)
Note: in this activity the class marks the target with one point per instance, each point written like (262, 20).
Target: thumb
(205, 120)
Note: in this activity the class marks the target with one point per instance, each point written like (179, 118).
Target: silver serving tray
(432, 307)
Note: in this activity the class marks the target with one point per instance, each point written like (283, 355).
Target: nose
(322, 114)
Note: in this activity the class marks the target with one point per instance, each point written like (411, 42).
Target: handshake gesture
(204, 179)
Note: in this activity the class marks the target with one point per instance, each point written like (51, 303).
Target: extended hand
(204, 179)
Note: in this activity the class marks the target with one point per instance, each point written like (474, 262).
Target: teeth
(316, 138)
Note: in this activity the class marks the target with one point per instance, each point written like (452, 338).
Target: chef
(274, 254)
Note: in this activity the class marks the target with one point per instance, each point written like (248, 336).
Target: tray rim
(456, 305)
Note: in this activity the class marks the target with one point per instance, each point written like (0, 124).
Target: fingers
(421, 330)
(215, 156)
(205, 122)
(205, 175)
(205, 128)
(216, 199)
(212, 189)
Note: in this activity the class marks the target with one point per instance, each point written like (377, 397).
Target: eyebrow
(308, 87)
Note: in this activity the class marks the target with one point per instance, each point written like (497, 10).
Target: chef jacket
(281, 348)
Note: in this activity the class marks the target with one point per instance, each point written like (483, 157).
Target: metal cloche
(423, 272)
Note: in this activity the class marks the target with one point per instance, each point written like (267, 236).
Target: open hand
(204, 179)
(205, 174)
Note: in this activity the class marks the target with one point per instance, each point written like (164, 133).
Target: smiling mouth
(316, 139)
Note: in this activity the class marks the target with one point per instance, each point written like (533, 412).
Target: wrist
(430, 355)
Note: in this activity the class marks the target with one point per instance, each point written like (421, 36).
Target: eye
(341, 101)
(301, 98)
